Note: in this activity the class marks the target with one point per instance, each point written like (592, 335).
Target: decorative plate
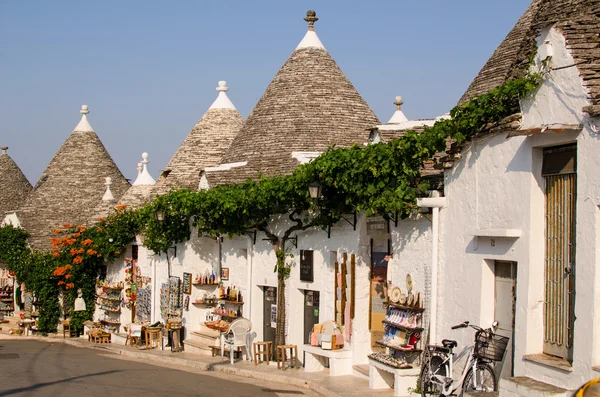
(395, 294)
(409, 283)
(410, 300)
(403, 299)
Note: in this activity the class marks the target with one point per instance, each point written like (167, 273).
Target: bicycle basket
(490, 346)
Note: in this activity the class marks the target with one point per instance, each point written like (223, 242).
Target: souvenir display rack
(171, 298)
(6, 300)
(109, 300)
(403, 329)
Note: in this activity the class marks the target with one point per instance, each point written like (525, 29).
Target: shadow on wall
(420, 226)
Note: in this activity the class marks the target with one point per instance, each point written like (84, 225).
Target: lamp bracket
(352, 223)
(252, 235)
(294, 240)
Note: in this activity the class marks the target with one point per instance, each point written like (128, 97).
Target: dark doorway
(311, 312)
(269, 314)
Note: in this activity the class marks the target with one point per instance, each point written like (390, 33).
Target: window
(559, 172)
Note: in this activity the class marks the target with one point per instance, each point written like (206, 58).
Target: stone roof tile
(579, 20)
(71, 187)
(14, 186)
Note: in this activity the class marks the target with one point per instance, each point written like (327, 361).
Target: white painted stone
(222, 101)
(497, 185)
(84, 125)
(144, 177)
(108, 196)
(227, 166)
(11, 219)
(305, 157)
(310, 40)
(561, 96)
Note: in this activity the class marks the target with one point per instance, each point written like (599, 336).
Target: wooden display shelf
(7, 309)
(112, 310)
(112, 288)
(398, 348)
(412, 309)
(226, 315)
(205, 303)
(230, 302)
(110, 322)
(6, 300)
(110, 299)
(202, 284)
(403, 327)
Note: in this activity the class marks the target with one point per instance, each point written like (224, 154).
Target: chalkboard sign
(306, 266)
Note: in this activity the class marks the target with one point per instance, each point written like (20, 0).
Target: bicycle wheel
(427, 387)
(485, 379)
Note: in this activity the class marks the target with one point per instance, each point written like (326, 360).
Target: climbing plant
(381, 179)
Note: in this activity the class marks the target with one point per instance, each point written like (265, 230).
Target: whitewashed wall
(498, 185)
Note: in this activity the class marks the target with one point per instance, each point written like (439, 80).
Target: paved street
(32, 368)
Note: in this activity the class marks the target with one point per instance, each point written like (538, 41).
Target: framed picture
(187, 283)
(225, 273)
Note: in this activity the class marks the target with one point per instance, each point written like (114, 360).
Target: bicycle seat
(450, 344)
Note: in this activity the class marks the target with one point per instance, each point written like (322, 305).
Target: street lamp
(159, 215)
(314, 189)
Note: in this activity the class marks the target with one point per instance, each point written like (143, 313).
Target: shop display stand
(6, 301)
(397, 366)
(109, 299)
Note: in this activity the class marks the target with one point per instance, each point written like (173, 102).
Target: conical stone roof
(72, 185)
(309, 106)
(14, 186)
(204, 146)
(579, 21)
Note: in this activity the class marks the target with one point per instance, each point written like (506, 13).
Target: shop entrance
(380, 247)
(504, 311)
(269, 314)
(311, 312)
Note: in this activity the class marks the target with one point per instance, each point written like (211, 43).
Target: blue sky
(148, 69)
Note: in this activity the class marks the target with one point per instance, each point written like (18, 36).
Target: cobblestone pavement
(34, 369)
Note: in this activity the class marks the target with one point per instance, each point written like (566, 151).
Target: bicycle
(478, 375)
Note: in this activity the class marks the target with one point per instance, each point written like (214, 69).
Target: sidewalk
(320, 382)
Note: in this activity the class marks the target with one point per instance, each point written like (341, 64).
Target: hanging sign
(306, 266)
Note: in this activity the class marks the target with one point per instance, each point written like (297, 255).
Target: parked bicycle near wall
(478, 375)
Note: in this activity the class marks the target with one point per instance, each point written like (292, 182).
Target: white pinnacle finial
(144, 177)
(398, 117)
(311, 40)
(84, 124)
(222, 101)
(222, 86)
(139, 168)
(108, 196)
(4, 149)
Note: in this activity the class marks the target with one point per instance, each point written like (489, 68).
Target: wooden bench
(340, 361)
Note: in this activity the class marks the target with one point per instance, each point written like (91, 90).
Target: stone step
(524, 386)
(361, 371)
(482, 394)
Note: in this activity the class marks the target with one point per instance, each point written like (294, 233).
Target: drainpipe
(435, 202)
(154, 292)
(248, 298)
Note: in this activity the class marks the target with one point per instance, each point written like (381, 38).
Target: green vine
(381, 179)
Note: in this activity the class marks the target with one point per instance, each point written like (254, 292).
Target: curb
(182, 362)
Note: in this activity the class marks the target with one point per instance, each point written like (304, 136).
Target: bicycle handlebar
(466, 324)
(462, 325)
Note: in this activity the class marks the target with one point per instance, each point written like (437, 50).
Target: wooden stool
(266, 350)
(153, 338)
(66, 328)
(282, 356)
